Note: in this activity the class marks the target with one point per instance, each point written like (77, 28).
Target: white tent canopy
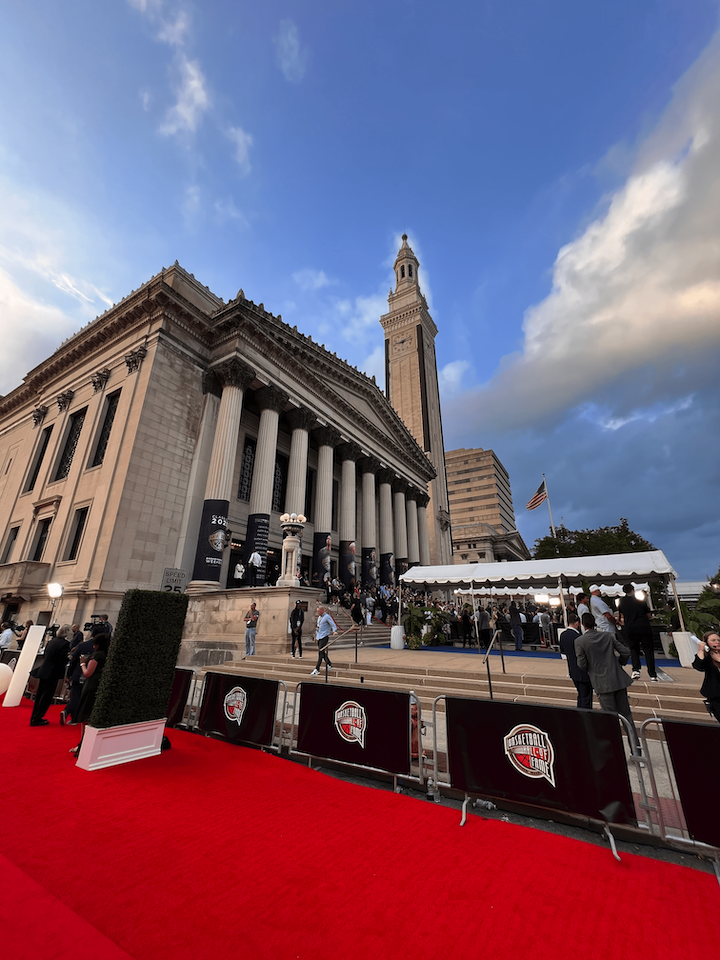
(607, 589)
(567, 571)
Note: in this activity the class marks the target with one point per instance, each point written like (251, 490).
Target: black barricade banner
(178, 696)
(241, 709)
(258, 528)
(694, 751)
(322, 555)
(369, 566)
(211, 540)
(348, 568)
(555, 757)
(355, 725)
(387, 569)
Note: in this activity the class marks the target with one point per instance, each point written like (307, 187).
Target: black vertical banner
(322, 556)
(211, 540)
(387, 569)
(348, 564)
(178, 696)
(258, 528)
(369, 566)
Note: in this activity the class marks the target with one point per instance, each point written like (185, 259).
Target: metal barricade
(413, 777)
(662, 766)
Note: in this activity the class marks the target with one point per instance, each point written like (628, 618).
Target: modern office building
(481, 508)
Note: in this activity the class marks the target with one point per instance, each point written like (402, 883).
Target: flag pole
(547, 497)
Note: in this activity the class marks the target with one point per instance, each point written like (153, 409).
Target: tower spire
(406, 267)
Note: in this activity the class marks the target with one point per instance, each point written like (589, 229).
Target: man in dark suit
(595, 651)
(579, 677)
(297, 619)
(51, 670)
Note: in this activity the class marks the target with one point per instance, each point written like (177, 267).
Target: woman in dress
(91, 666)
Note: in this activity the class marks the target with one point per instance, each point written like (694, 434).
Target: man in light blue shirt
(325, 626)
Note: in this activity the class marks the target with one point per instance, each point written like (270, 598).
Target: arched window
(402, 273)
(409, 269)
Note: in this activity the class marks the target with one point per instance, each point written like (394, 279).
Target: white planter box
(112, 745)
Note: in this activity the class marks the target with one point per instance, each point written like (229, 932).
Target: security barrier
(242, 709)
(558, 758)
(358, 727)
(181, 698)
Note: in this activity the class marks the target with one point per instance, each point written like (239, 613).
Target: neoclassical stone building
(166, 438)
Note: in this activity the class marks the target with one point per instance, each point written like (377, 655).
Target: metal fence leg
(611, 838)
(464, 809)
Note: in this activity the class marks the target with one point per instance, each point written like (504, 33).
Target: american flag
(538, 497)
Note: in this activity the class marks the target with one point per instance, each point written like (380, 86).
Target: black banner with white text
(240, 709)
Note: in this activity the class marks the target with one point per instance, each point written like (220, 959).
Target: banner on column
(178, 696)
(241, 709)
(555, 757)
(387, 569)
(369, 566)
(348, 565)
(322, 556)
(211, 540)
(694, 748)
(355, 725)
(258, 528)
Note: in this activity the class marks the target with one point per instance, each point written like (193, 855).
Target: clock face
(401, 342)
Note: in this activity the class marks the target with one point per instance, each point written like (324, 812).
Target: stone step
(672, 701)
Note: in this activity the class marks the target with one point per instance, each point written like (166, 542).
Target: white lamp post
(55, 591)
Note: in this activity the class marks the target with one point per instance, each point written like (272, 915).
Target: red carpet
(212, 850)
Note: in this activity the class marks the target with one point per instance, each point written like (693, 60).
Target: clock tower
(411, 384)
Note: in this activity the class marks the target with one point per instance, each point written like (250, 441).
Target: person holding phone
(707, 661)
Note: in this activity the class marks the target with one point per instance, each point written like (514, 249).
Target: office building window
(41, 539)
(39, 457)
(9, 544)
(280, 482)
(246, 469)
(76, 532)
(111, 405)
(75, 429)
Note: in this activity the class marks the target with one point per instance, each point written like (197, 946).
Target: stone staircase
(677, 700)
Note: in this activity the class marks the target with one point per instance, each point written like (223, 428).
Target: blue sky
(556, 166)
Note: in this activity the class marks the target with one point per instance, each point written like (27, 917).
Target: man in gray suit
(595, 651)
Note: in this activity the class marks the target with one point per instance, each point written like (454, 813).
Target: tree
(590, 543)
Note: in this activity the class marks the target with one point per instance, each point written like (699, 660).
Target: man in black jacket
(85, 647)
(579, 677)
(50, 672)
(297, 619)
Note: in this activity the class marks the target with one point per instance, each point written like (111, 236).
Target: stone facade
(175, 410)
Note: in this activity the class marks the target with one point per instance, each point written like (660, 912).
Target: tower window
(409, 269)
(402, 273)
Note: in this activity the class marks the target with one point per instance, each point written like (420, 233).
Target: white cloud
(374, 366)
(226, 210)
(312, 279)
(291, 57)
(652, 414)
(175, 31)
(243, 141)
(145, 99)
(192, 100)
(360, 315)
(639, 289)
(450, 377)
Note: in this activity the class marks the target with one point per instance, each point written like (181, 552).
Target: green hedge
(138, 675)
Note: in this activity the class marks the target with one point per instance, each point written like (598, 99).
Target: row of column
(402, 538)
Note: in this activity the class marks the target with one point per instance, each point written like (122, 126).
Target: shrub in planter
(138, 675)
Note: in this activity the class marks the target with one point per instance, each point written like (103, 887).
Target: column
(412, 528)
(348, 454)
(327, 439)
(387, 539)
(400, 517)
(232, 377)
(423, 535)
(271, 401)
(301, 422)
(368, 467)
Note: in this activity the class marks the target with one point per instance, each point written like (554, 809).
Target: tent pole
(677, 604)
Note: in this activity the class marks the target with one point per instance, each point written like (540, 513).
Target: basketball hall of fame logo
(217, 540)
(351, 722)
(234, 704)
(530, 751)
